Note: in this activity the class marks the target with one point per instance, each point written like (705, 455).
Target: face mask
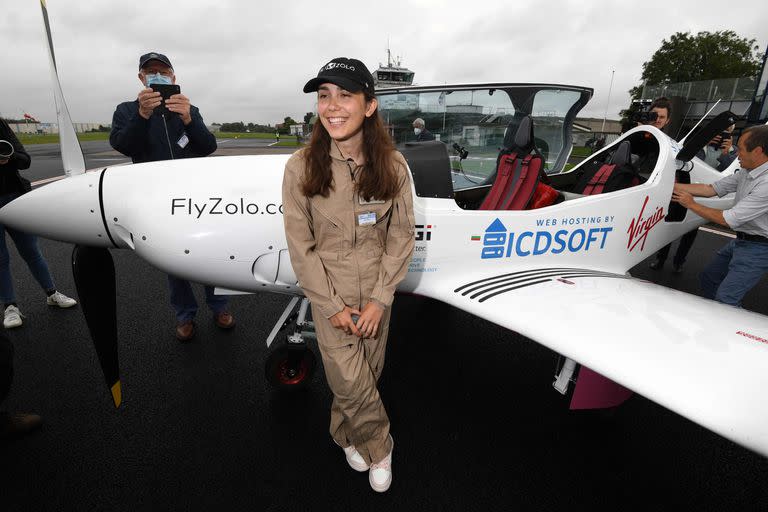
(417, 131)
(157, 78)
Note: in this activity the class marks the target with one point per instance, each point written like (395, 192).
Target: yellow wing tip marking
(117, 393)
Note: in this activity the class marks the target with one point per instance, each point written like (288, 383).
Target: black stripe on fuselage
(101, 206)
(496, 285)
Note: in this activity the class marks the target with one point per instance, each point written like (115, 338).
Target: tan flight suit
(339, 262)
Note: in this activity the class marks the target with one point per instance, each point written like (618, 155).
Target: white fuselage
(219, 221)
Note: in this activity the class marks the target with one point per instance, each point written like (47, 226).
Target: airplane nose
(68, 210)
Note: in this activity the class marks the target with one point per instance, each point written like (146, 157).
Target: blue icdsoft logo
(498, 242)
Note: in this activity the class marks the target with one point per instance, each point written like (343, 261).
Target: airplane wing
(702, 359)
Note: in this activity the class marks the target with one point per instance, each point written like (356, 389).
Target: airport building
(49, 128)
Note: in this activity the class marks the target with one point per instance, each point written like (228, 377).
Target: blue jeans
(184, 303)
(27, 246)
(735, 269)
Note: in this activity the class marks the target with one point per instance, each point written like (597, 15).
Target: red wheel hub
(289, 375)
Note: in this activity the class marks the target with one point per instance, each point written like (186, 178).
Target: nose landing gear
(291, 367)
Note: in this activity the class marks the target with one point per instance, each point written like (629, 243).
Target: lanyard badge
(366, 219)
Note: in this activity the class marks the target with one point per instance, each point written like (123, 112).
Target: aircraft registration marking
(752, 337)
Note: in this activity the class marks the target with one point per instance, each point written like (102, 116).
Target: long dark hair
(378, 179)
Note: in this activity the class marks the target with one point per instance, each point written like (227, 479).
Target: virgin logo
(640, 226)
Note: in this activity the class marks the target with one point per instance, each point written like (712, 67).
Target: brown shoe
(14, 425)
(185, 331)
(224, 320)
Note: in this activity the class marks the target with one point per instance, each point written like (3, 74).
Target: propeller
(94, 273)
(92, 267)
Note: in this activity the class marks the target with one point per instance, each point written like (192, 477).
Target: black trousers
(684, 245)
(6, 364)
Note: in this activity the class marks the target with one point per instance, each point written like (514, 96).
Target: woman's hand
(343, 320)
(369, 320)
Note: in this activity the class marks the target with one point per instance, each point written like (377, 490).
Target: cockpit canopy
(477, 121)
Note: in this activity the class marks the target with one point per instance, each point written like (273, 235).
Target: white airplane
(550, 262)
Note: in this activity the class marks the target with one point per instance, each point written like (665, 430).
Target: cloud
(248, 61)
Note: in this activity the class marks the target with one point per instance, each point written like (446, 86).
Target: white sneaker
(354, 459)
(61, 300)
(12, 317)
(380, 475)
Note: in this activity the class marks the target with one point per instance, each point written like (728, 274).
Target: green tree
(287, 122)
(237, 127)
(308, 117)
(704, 56)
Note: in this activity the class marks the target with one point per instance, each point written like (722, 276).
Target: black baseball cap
(154, 56)
(349, 74)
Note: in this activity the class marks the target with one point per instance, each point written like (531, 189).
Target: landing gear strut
(291, 367)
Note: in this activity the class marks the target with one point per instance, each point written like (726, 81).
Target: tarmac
(476, 423)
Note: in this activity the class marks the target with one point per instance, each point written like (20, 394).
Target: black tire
(290, 369)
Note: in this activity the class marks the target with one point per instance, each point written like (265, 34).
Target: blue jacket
(145, 140)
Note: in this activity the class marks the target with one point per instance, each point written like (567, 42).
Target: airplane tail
(71, 151)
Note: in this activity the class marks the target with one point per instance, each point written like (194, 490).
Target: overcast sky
(242, 60)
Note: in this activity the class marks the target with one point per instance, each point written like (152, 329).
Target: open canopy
(482, 119)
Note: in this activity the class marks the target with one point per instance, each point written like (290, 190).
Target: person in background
(741, 263)
(662, 107)
(13, 158)
(421, 132)
(147, 133)
(12, 425)
(720, 151)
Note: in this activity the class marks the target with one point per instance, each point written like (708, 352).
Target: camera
(463, 153)
(644, 117)
(6, 149)
(723, 137)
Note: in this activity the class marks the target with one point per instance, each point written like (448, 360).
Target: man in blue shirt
(147, 133)
(737, 267)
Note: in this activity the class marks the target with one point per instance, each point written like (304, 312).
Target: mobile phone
(166, 91)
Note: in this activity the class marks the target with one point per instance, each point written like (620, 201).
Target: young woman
(350, 228)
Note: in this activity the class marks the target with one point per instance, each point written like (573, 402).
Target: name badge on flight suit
(366, 219)
(183, 141)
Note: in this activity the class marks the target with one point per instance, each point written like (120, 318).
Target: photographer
(720, 152)
(646, 149)
(659, 115)
(13, 159)
(155, 127)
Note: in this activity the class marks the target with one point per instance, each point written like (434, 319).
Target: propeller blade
(94, 274)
